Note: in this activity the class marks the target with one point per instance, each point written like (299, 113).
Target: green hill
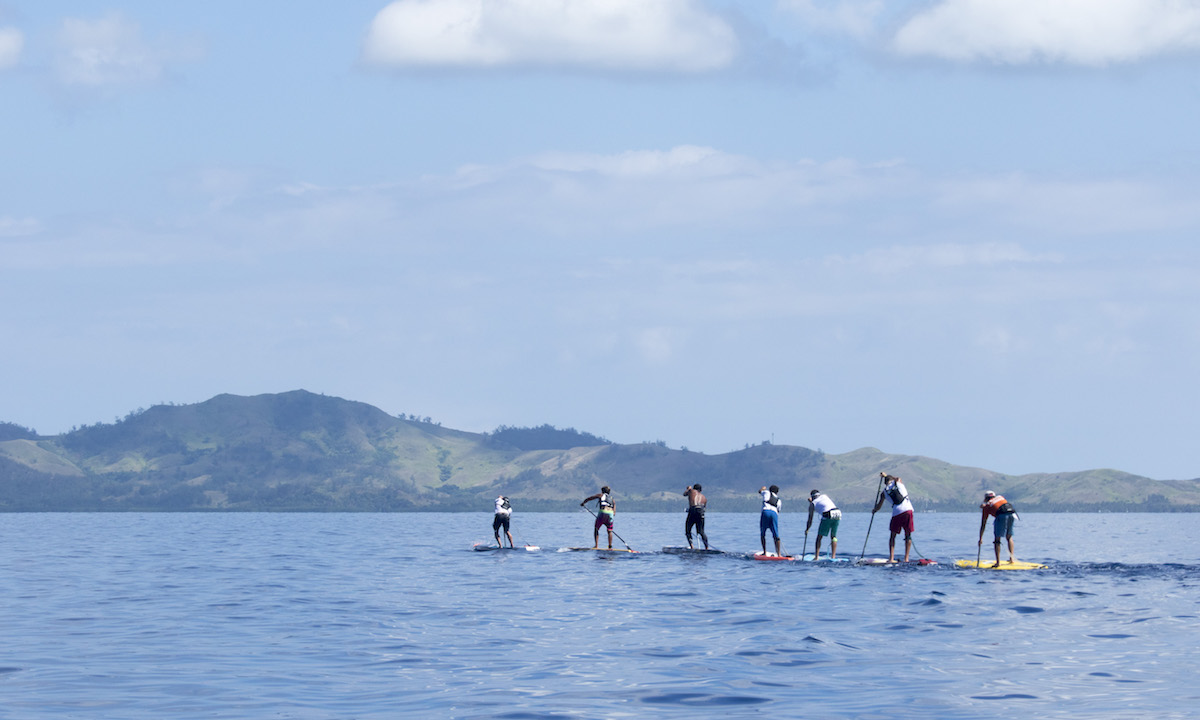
(299, 451)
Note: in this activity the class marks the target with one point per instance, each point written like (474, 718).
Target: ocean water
(393, 615)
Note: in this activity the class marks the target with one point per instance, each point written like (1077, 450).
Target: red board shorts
(902, 522)
(604, 519)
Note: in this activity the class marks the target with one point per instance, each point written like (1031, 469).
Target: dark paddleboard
(680, 550)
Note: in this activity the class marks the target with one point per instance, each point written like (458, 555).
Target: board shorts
(695, 519)
(501, 521)
(768, 521)
(604, 519)
(829, 525)
(1003, 525)
(902, 522)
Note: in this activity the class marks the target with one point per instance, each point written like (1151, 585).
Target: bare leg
(610, 538)
(832, 548)
(817, 549)
(997, 546)
(907, 546)
(1012, 555)
(892, 548)
(777, 550)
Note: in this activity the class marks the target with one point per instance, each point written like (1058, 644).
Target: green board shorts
(829, 525)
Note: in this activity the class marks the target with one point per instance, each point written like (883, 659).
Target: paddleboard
(493, 548)
(885, 561)
(681, 550)
(760, 555)
(602, 551)
(825, 559)
(991, 565)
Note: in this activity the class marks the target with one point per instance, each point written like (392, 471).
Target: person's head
(774, 488)
(697, 487)
(605, 489)
(814, 494)
(989, 495)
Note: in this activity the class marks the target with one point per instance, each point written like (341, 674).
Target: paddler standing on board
(695, 517)
(769, 519)
(608, 508)
(1004, 514)
(831, 517)
(902, 513)
(501, 520)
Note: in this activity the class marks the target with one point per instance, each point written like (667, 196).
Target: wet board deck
(826, 559)
(680, 550)
(885, 561)
(991, 565)
(493, 548)
(771, 556)
(602, 551)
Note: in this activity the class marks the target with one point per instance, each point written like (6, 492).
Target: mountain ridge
(301, 451)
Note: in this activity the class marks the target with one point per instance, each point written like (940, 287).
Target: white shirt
(823, 504)
(904, 506)
(500, 509)
(766, 495)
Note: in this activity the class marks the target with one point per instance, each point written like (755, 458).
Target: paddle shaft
(872, 522)
(614, 532)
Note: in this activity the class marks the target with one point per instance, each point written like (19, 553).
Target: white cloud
(12, 41)
(111, 52)
(1075, 32)
(644, 163)
(13, 227)
(653, 35)
(901, 258)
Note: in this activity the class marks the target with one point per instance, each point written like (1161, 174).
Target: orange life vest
(997, 505)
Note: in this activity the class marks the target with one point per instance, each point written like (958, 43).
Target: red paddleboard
(771, 556)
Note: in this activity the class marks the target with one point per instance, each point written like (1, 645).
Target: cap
(989, 494)
(814, 493)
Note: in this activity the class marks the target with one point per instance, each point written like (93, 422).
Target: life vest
(607, 504)
(771, 502)
(998, 506)
(893, 493)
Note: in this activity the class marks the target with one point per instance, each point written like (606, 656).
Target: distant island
(300, 451)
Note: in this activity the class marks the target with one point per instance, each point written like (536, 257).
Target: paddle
(873, 499)
(614, 532)
(804, 549)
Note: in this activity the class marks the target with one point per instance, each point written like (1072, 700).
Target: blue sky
(964, 229)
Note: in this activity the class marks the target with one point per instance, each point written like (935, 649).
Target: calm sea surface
(393, 615)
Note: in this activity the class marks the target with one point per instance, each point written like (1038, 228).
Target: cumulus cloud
(12, 41)
(1074, 32)
(649, 35)
(111, 52)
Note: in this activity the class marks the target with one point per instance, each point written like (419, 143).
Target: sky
(962, 229)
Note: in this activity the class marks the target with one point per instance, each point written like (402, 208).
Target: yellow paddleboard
(991, 565)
